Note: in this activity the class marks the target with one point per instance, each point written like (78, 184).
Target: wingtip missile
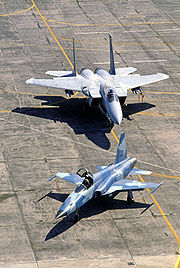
(153, 190)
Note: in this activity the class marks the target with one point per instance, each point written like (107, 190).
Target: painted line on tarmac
(29, 93)
(163, 92)
(165, 176)
(17, 12)
(158, 114)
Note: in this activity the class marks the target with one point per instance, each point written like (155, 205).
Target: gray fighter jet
(107, 90)
(109, 180)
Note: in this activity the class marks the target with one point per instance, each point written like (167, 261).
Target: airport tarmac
(42, 132)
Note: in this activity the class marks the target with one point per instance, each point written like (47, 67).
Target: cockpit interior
(111, 95)
(88, 177)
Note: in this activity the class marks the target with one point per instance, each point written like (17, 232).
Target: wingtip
(163, 76)
(30, 81)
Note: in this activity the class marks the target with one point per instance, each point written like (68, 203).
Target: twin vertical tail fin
(74, 59)
(112, 65)
(121, 151)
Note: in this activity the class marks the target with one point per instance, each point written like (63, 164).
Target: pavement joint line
(53, 35)
(160, 210)
(17, 12)
(112, 24)
(94, 147)
(147, 163)
(118, 43)
(89, 49)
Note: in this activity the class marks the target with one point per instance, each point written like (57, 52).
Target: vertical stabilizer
(74, 59)
(112, 66)
(121, 151)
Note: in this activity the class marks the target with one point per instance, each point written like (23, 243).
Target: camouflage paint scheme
(108, 180)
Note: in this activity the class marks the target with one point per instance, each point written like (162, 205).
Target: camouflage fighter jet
(110, 179)
(106, 90)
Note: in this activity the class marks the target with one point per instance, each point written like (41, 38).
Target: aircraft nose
(60, 213)
(117, 119)
(115, 112)
(116, 115)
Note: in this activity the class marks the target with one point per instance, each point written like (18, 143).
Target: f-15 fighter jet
(107, 90)
(110, 179)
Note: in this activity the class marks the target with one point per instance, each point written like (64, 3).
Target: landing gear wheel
(76, 217)
(130, 199)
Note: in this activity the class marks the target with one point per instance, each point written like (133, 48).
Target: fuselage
(102, 80)
(102, 181)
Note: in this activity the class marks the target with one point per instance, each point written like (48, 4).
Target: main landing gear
(130, 198)
(76, 217)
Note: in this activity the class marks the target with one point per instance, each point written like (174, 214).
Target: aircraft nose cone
(116, 116)
(115, 112)
(60, 213)
(117, 119)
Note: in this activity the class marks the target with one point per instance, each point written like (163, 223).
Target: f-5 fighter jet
(107, 90)
(110, 179)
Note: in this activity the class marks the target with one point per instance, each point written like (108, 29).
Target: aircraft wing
(71, 83)
(125, 185)
(73, 178)
(134, 81)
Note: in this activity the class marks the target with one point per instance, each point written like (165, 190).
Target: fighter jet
(107, 181)
(107, 90)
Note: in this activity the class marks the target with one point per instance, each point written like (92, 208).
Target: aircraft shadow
(75, 113)
(134, 108)
(91, 208)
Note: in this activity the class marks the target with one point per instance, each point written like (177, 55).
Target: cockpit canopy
(88, 177)
(111, 95)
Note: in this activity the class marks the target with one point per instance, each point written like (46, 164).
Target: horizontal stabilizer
(60, 73)
(125, 185)
(125, 71)
(73, 178)
(101, 167)
(136, 171)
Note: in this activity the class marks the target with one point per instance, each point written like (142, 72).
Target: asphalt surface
(42, 132)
